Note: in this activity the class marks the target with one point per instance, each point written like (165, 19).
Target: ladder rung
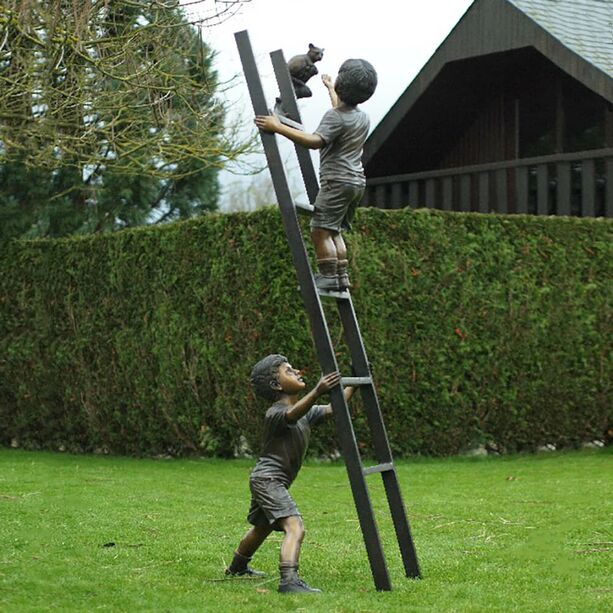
(344, 295)
(379, 468)
(356, 381)
(305, 208)
(290, 122)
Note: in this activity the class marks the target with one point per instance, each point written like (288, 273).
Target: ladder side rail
(288, 98)
(361, 497)
(401, 524)
(353, 338)
(321, 335)
(323, 342)
(359, 360)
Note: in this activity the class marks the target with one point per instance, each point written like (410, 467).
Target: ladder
(323, 344)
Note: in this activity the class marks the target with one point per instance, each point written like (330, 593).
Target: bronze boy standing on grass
(286, 437)
(340, 137)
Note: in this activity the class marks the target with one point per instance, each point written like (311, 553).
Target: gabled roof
(584, 26)
(576, 35)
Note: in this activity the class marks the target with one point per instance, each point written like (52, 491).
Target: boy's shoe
(246, 572)
(343, 282)
(327, 283)
(291, 583)
(296, 586)
(240, 568)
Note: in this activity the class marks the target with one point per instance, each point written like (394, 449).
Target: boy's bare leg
(343, 262)
(325, 246)
(246, 548)
(253, 539)
(290, 554)
(292, 541)
(327, 259)
(339, 244)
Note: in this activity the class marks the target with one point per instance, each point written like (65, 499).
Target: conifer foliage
(109, 115)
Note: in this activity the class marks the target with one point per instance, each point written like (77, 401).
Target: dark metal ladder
(321, 336)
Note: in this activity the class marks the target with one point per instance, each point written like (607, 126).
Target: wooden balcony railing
(578, 184)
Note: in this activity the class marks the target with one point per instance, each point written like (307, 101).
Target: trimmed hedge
(480, 328)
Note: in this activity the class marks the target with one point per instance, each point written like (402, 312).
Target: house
(513, 113)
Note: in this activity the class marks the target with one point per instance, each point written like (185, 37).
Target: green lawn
(521, 533)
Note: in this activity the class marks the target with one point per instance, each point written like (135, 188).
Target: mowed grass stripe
(516, 533)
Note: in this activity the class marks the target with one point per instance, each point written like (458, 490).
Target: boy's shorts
(335, 205)
(270, 501)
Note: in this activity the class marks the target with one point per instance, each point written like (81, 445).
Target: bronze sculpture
(287, 429)
(323, 344)
(340, 138)
(302, 68)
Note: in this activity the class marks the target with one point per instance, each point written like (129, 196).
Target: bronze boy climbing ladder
(323, 343)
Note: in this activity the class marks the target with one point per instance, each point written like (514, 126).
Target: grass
(520, 533)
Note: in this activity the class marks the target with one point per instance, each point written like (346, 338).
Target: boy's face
(289, 379)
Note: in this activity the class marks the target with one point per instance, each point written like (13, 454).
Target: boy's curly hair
(356, 81)
(264, 373)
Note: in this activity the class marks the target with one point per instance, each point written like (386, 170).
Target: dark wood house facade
(513, 113)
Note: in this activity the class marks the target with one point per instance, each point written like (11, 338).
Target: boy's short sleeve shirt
(285, 444)
(344, 130)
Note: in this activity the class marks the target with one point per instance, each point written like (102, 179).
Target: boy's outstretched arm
(347, 392)
(269, 123)
(327, 80)
(301, 408)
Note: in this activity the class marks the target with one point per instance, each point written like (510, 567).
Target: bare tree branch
(121, 84)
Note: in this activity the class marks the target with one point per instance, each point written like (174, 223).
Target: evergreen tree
(108, 117)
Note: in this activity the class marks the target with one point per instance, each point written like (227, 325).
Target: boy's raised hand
(327, 80)
(329, 83)
(327, 382)
(268, 123)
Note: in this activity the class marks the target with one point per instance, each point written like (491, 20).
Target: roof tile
(584, 26)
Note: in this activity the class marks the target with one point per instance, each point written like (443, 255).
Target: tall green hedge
(480, 328)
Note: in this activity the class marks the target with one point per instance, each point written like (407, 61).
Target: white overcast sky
(396, 36)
